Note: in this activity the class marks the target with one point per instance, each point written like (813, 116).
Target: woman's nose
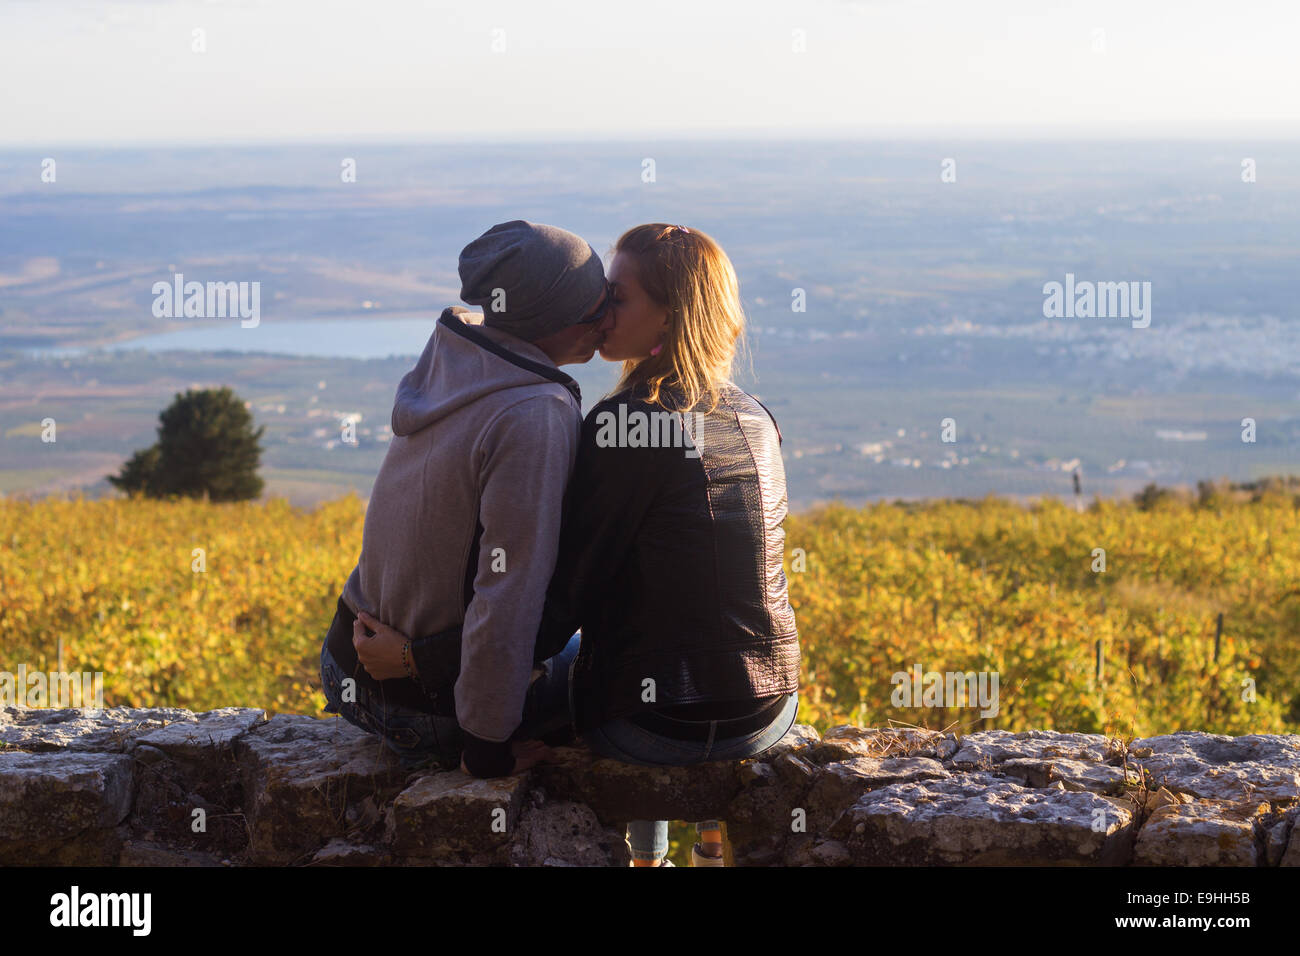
(607, 323)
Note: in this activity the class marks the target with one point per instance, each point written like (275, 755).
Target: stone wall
(123, 787)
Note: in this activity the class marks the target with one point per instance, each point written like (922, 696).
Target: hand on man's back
(380, 653)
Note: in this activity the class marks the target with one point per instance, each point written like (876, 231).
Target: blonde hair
(686, 272)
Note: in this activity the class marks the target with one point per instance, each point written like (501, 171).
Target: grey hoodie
(485, 429)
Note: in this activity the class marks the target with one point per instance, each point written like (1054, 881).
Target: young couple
(501, 523)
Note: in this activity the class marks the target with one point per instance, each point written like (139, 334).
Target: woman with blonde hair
(671, 550)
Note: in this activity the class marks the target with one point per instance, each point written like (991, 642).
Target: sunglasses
(601, 310)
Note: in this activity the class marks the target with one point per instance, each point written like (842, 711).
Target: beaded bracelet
(406, 664)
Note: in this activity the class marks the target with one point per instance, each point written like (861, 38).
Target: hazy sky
(74, 71)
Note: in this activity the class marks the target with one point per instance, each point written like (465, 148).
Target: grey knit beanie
(531, 280)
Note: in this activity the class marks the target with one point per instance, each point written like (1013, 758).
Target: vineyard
(202, 605)
(1136, 649)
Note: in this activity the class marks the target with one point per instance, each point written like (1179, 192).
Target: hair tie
(684, 229)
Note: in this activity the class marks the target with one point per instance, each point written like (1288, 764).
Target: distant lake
(322, 338)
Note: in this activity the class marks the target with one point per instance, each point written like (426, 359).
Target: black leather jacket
(671, 560)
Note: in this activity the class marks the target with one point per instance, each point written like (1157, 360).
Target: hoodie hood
(463, 361)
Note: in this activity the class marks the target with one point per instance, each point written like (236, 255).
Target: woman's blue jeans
(418, 738)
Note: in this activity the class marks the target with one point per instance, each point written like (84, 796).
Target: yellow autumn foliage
(199, 605)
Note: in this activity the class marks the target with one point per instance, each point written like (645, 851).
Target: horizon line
(1026, 133)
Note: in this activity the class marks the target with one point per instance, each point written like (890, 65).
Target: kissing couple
(528, 578)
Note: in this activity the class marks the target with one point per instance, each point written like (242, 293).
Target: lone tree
(206, 445)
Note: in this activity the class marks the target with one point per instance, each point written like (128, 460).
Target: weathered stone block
(1077, 775)
(201, 737)
(1224, 769)
(108, 731)
(982, 820)
(1199, 834)
(619, 792)
(448, 814)
(846, 741)
(340, 852)
(988, 748)
(565, 833)
(300, 775)
(840, 784)
(62, 807)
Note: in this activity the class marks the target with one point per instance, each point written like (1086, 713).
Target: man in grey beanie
(462, 527)
(532, 281)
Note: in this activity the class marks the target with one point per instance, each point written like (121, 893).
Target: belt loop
(708, 747)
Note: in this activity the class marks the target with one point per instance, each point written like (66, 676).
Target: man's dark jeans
(419, 738)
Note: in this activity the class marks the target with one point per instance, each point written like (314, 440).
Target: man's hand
(528, 753)
(381, 653)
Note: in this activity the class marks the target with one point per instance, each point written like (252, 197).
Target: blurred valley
(922, 301)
